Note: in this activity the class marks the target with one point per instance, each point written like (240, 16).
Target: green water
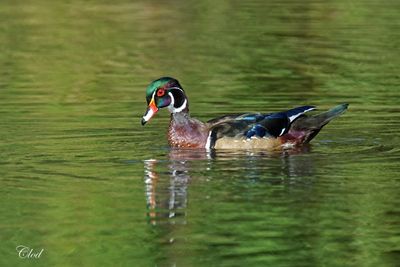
(83, 180)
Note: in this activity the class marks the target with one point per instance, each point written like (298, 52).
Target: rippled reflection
(73, 79)
(166, 199)
(167, 181)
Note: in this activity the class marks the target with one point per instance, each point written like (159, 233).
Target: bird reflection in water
(167, 181)
(167, 185)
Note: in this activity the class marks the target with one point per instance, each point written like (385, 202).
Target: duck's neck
(179, 109)
(185, 131)
(180, 118)
(183, 120)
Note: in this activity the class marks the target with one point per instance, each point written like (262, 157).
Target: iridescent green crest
(159, 83)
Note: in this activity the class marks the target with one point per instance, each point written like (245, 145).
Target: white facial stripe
(292, 118)
(176, 88)
(152, 96)
(171, 107)
(181, 107)
(283, 130)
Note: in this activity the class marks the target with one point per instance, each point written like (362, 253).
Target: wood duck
(270, 131)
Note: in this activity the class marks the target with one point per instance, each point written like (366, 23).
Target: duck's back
(269, 131)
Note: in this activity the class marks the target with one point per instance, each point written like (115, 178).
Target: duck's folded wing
(250, 125)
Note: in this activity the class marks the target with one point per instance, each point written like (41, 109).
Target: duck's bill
(150, 112)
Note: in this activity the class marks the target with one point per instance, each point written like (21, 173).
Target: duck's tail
(310, 126)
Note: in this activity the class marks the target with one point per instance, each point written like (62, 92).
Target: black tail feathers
(313, 124)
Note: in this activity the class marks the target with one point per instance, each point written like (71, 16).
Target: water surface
(81, 178)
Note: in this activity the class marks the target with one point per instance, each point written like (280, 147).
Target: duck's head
(164, 92)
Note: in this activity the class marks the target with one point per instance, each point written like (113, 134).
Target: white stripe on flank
(208, 144)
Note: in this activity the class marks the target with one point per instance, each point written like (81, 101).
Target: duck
(266, 131)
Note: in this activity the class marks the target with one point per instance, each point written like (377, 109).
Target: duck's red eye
(160, 92)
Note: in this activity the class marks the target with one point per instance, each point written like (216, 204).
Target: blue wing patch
(275, 124)
(257, 131)
(253, 117)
